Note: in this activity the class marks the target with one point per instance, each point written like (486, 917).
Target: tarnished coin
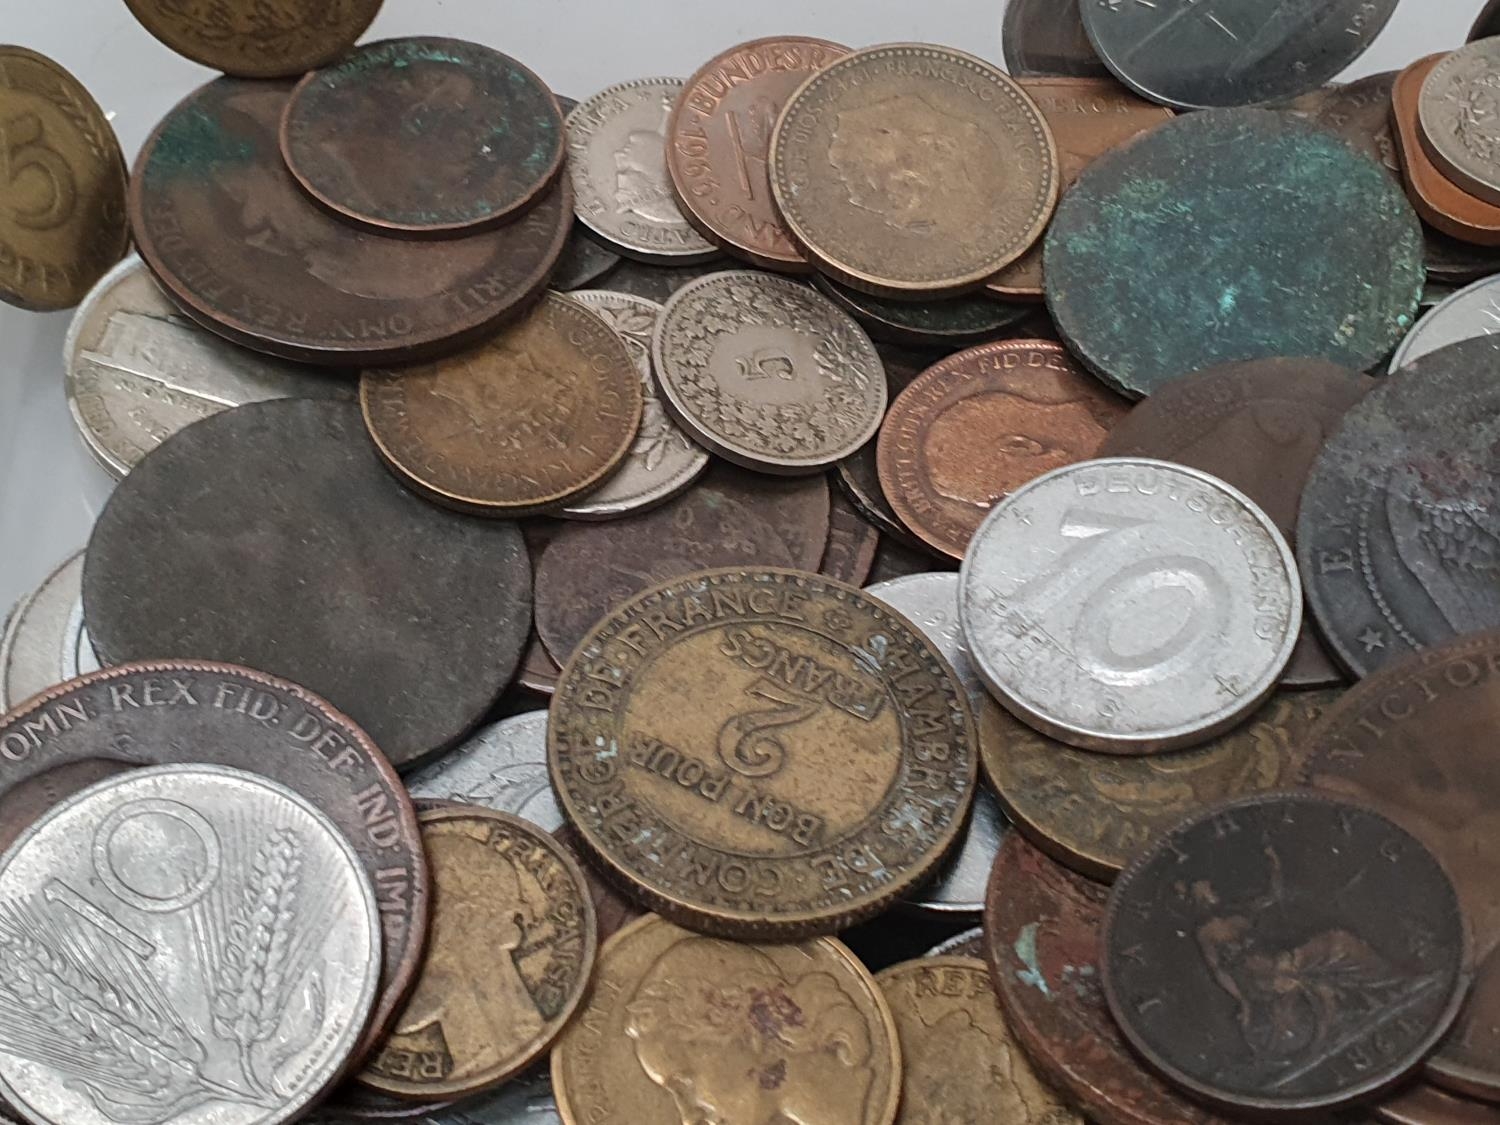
(683, 1028)
(1421, 1104)
(852, 543)
(137, 370)
(1439, 201)
(1214, 940)
(859, 473)
(617, 158)
(655, 283)
(767, 373)
(185, 943)
(512, 952)
(719, 145)
(62, 210)
(1471, 312)
(980, 424)
(952, 322)
(529, 420)
(234, 240)
(970, 943)
(1487, 23)
(44, 641)
(502, 766)
(1236, 198)
(1041, 37)
(258, 40)
(798, 509)
(272, 536)
(762, 752)
(1455, 117)
(894, 559)
(1130, 606)
(911, 169)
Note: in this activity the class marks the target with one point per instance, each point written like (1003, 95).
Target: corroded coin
(1041, 37)
(62, 185)
(501, 766)
(762, 753)
(512, 951)
(798, 509)
(43, 641)
(424, 135)
(258, 40)
(528, 420)
(767, 373)
(952, 322)
(655, 282)
(1471, 312)
(980, 424)
(1455, 114)
(910, 169)
(1439, 201)
(689, 1029)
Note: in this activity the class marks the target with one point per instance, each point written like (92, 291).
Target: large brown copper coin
(762, 753)
(798, 509)
(612, 910)
(258, 40)
(980, 424)
(233, 239)
(1439, 201)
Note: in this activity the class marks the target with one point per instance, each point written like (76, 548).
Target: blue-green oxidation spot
(196, 142)
(1025, 948)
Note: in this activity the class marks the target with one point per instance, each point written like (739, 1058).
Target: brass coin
(62, 186)
(688, 1029)
(959, 1061)
(528, 420)
(508, 962)
(913, 169)
(258, 40)
(762, 753)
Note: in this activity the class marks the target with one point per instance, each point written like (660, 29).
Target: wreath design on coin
(1478, 122)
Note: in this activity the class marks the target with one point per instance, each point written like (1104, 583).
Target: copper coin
(859, 473)
(258, 40)
(852, 544)
(719, 145)
(1436, 198)
(426, 136)
(234, 240)
(980, 424)
(529, 420)
(612, 910)
(798, 509)
(1426, 1105)
(1042, 37)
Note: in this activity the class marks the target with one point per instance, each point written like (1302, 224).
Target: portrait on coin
(641, 179)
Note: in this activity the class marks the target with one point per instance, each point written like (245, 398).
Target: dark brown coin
(1426, 1105)
(1438, 200)
(852, 543)
(258, 40)
(894, 559)
(23, 803)
(1285, 953)
(1041, 37)
(859, 473)
(272, 536)
(954, 322)
(234, 240)
(538, 672)
(798, 509)
(613, 911)
(1487, 23)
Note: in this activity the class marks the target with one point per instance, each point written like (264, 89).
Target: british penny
(426, 136)
(852, 543)
(1421, 1104)
(1236, 198)
(689, 1029)
(1440, 202)
(1471, 312)
(409, 618)
(530, 420)
(1042, 37)
(183, 712)
(235, 242)
(970, 943)
(43, 641)
(26, 802)
(734, 751)
(859, 473)
(953, 322)
(259, 41)
(767, 373)
(913, 170)
(980, 424)
(719, 145)
(511, 956)
(1212, 934)
(62, 217)
(501, 766)
(1453, 112)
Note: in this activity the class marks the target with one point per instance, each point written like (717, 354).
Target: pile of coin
(855, 587)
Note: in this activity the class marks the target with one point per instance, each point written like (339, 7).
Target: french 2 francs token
(1454, 115)
(531, 419)
(685, 1028)
(43, 641)
(1441, 202)
(1465, 315)
(259, 41)
(763, 753)
(1235, 197)
(62, 214)
(913, 170)
(1046, 37)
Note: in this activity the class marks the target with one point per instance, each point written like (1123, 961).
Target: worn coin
(910, 169)
(191, 943)
(1041, 37)
(502, 766)
(1215, 937)
(512, 951)
(767, 373)
(410, 618)
(1469, 313)
(529, 420)
(970, 943)
(683, 1028)
(62, 212)
(1454, 114)
(44, 641)
(1439, 201)
(798, 509)
(953, 322)
(1421, 1104)
(584, 259)
(258, 40)
(980, 424)
(762, 752)
(655, 283)
(852, 543)
(228, 233)
(859, 473)
(1235, 198)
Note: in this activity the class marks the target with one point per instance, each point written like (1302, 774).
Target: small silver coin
(1456, 114)
(503, 766)
(617, 157)
(1471, 312)
(664, 460)
(191, 944)
(44, 641)
(970, 943)
(768, 373)
(1128, 605)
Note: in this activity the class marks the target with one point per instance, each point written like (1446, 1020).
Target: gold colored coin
(508, 959)
(62, 186)
(960, 1062)
(687, 1029)
(257, 40)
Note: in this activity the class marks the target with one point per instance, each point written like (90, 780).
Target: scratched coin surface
(501, 766)
(258, 40)
(1473, 311)
(1218, 938)
(1455, 113)
(185, 943)
(762, 753)
(1042, 37)
(1130, 606)
(44, 641)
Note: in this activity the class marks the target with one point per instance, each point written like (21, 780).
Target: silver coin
(767, 372)
(970, 943)
(44, 641)
(503, 766)
(1129, 605)
(617, 156)
(1471, 312)
(137, 370)
(192, 944)
(1456, 112)
(664, 460)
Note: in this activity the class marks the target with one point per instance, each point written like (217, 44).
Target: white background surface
(50, 488)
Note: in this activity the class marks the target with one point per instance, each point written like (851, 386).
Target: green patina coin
(1231, 235)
